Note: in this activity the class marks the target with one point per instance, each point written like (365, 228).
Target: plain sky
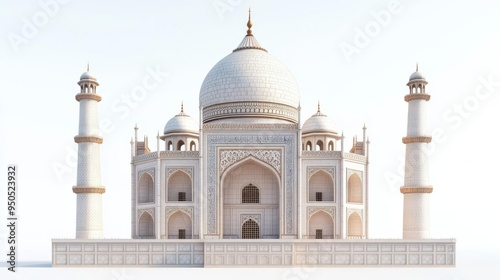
(353, 56)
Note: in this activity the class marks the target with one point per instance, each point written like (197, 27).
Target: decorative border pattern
(244, 218)
(181, 154)
(166, 155)
(311, 210)
(212, 175)
(354, 210)
(111, 253)
(246, 109)
(312, 170)
(229, 157)
(413, 96)
(322, 154)
(81, 96)
(80, 189)
(333, 155)
(350, 172)
(187, 170)
(413, 139)
(149, 211)
(150, 171)
(250, 126)
(416, 189)
(86, 139)
(171, 210)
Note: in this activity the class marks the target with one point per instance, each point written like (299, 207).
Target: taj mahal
(249, 185)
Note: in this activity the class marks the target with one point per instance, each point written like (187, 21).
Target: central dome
(249, 82)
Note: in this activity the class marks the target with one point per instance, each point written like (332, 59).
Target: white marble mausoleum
(248, 185)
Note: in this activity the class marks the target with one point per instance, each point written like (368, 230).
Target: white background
(353, 56)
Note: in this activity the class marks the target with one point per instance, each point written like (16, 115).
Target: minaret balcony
(413, 96)
(91, 96)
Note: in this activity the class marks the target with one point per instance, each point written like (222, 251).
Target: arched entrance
(321, 226)
(146, 229)
(250, 188)
(179, 226)
(354, 226)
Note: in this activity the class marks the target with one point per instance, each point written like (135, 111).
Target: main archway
(250, 188)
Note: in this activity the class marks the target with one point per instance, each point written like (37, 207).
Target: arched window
(181, 146)
(146, 189)
(146, 226)
(192, 146)
(308, 146)
(330, 146)
(322, 222)
(354, 226)
(250, 230)
(179, 187)
(170, 146)
(250, 194)
(91, 88)
(179, 226)
(321, 187)
(354, 189)
(319, 145)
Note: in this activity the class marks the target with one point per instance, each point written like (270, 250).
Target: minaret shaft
(89, 125)
(416, 189)
(88, 187)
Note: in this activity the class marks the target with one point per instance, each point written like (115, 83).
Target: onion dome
(417, 75)
(181, 123)
(249, 82)
(319, 123)
(87, 75)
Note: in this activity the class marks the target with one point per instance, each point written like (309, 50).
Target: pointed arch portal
(250, 187)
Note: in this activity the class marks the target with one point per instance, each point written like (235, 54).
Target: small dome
(88, 76)
(181, 123)
(319, 122)
(417, 76)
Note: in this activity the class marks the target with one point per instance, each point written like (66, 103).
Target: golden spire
(249, 23)
(319, 108)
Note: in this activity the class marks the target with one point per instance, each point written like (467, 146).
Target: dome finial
(417, 67)
(182, 106)
(88, 66)
(249, 23)
(319, 108)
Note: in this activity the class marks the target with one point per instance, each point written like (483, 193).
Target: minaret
(88, 187)
(416, 187)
